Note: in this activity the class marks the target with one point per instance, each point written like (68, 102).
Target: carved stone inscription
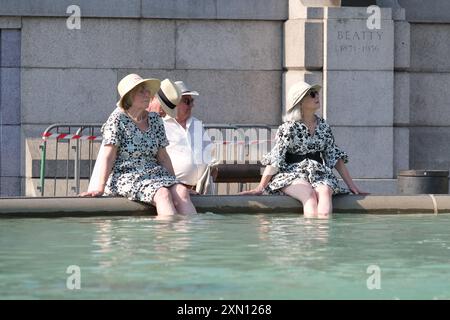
(351, 41)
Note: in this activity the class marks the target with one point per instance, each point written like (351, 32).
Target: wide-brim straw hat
(129, 82)
(298, 91)
(184, 89)
(169, 95)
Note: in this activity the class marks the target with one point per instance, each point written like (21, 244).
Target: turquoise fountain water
(212, 256)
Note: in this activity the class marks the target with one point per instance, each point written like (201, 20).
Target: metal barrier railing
(237, 147)
(74, 135)
(234, 143)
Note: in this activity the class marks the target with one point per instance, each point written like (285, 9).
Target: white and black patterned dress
(136, 173)
(293, 137)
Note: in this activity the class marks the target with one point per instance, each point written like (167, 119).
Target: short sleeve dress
(294, 137)
(136, 173)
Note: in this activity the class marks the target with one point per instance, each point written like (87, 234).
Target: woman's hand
(342, 169)
(355, 190)
(98, 193)
(254, 192)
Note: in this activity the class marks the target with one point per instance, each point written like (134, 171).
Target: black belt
(189, 186)
(293, 158)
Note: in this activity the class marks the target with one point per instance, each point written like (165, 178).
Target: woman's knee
(304, 193)
(309, 194)
(163, 194)
(324, 191)
(180, 192)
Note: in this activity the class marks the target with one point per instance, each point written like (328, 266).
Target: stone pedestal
(365, 96)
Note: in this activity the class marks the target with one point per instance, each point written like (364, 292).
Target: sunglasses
(313, 93)
(188, 102)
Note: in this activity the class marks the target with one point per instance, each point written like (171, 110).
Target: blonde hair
(127, 101)
(294, 114)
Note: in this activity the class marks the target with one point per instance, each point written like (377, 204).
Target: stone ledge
(10, 23)
(423, 11)
(105, 206)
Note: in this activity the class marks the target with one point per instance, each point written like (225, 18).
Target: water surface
(211, 256)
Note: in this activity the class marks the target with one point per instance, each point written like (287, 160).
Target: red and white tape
(66, 136)
(242, 142)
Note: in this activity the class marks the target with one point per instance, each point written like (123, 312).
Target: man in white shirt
(190, 147)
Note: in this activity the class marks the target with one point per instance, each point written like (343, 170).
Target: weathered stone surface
(179, 9)
(360, 13)
(10, 153)
(166, 9)
(303, 44)
(10, 48)
(401, 98)
(398, 14)
(10, 22)
(430, 45)
(68, 95)
(388, 3)
(352, 46)
(33, 130)
(100, 43)
(312, 9)
(369, 150)
(235, 45)
(376, 186)
(401, 45)
(10, 186)
(234, 204)
(10, 96)
(302, 12)
(359, 98)
(401, 149)
(229, 96)
(88, 8)
(426, 11)
(429, 148)
(430, 98)
(252, 9)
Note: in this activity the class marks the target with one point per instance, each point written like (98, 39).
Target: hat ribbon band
(165, 100)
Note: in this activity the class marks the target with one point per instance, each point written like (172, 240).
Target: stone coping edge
(39, 207)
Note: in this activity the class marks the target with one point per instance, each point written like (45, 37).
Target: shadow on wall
(358, 3)
(339, 3)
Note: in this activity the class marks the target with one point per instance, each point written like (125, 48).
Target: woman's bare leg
(182, 199)
(324, 202)
(303, 191)
(163, 202)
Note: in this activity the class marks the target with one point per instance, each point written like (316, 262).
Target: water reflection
(172, 238)
(293, 240)
(141, 240)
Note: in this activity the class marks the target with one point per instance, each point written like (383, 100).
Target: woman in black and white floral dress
(301, 162)
(134, 162)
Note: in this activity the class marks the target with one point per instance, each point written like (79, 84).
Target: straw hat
(129, 82)
(184, 90)
(169, 95)
(297, 92)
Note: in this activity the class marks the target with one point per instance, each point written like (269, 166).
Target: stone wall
(229, 51)
(10, 111)
(385, 91)
(430, 96)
